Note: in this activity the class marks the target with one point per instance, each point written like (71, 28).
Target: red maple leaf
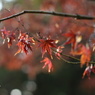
(73, 38)
(85, 53)
(46, 46)
(10, 36)
(24, 43)
(48, 62)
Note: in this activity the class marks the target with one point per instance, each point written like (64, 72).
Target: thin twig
(76, 16)
(70, 57)
(22, 25)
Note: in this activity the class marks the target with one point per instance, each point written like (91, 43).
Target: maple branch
(76, 16)
(71, 62)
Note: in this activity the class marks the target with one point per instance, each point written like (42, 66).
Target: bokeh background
(23, 75)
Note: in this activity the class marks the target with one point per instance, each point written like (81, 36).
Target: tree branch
(76, 16)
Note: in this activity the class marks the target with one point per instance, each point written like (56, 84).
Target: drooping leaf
(47, 62)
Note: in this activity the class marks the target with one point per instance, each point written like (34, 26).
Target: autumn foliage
(54, 38)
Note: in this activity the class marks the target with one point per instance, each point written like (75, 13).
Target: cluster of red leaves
(24, 43)
(78, 49)
(10, 36)
(89, 69)
(46, 46)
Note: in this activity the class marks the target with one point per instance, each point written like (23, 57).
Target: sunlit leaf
(85, 53)
(47, 62)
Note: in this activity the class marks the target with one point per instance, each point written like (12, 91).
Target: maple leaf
(24, 43)
(73, 38)
(48, 62)
(46, 46)
(10, 36)
(85, 53)
(89, 69)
